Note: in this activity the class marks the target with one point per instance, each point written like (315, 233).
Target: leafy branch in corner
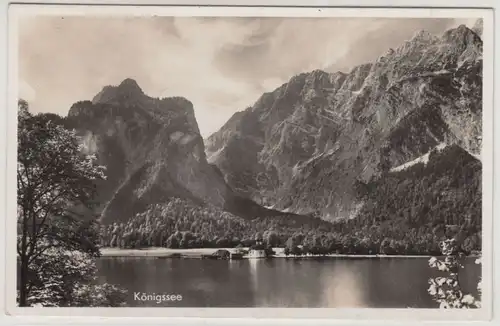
(446, 290)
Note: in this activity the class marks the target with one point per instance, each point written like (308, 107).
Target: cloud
(301, 44)
(222, 65)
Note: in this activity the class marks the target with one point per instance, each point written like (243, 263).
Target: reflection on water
(343, 286)
(354, 283)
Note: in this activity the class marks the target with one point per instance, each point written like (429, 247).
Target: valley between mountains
(385, 158)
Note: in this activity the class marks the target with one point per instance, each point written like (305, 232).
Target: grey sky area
(222, 65)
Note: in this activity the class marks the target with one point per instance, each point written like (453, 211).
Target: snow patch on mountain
(421, 159)
(212, 156)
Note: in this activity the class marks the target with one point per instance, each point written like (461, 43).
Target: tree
(67, 278)
(286, 251)
(385, 247)
(269, 252)
(296, 251)
(172, 242)
(271, 238)
(56, 184)
(446, 290)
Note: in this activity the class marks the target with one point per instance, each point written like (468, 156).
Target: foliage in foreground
(446, 290)
(66, 278)
(56, 246)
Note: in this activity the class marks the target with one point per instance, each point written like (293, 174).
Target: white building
(257, 253)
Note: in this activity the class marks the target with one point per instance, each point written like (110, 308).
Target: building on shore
(257, 253)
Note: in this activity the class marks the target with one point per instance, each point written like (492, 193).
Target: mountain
(478, 27)
(153, 152)
(304, 147)
(442, 187)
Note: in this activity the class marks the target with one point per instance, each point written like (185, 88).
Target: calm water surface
(334, 282)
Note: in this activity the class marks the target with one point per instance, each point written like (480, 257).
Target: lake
(329, 283)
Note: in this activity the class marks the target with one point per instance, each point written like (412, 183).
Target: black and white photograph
(250, 161)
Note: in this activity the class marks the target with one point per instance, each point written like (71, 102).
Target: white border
(321, 313)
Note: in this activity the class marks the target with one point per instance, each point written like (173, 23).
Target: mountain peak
(478, 27)
(423, 36)
(129, 83)
(128, 90)
(459, 31)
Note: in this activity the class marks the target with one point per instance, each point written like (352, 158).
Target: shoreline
(196, 253)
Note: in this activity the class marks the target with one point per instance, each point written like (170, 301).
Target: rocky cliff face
(152, 150)
(478, 27)
(302, 147)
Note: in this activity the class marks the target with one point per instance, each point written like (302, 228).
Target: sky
(222, 65)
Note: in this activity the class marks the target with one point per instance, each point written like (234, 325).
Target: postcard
(187, 160)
